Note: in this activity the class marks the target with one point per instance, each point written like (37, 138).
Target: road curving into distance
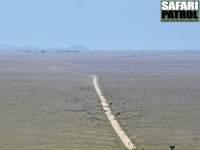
(116, 126)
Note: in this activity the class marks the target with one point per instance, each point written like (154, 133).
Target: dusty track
(122, 135)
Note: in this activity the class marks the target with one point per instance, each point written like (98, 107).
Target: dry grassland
(45, 108)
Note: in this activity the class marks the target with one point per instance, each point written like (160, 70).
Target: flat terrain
(43, 107)
(47, 101)
(157, 94)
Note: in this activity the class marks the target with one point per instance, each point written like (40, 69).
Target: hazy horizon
(97, 24)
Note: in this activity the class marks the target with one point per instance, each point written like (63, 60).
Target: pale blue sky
(98, 24)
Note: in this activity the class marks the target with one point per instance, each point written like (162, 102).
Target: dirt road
(116, 126)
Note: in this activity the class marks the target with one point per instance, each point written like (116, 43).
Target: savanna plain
(48, 101)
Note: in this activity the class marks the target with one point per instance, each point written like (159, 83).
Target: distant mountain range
(17, 47)
(6, 46)
(78, 47)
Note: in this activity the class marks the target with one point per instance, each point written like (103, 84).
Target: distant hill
(78, 47)
(17, 47)
(6, 46)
